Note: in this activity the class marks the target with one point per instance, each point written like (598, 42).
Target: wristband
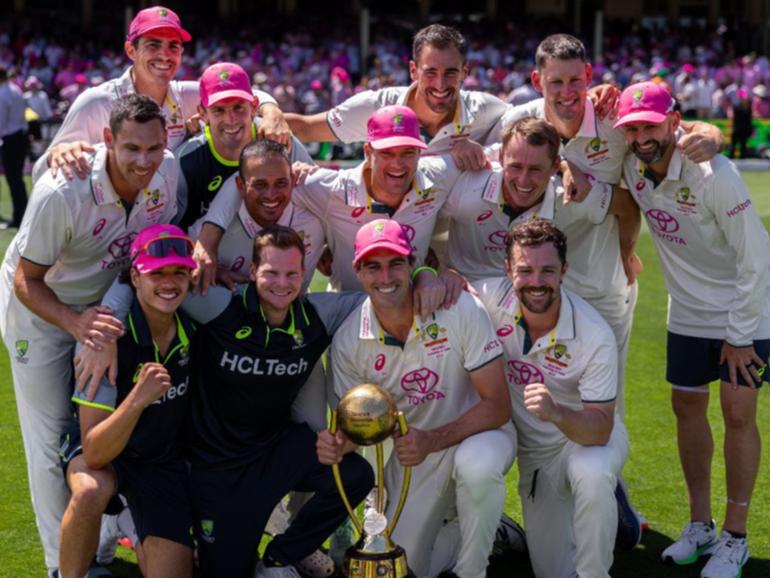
(422, 268)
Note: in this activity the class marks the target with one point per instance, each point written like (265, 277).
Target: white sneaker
(262, 571)
(108, 540)
(317, 565)
(728, 555)
(695, 540)
(510, 537)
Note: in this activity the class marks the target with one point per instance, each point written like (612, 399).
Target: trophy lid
(367, 414)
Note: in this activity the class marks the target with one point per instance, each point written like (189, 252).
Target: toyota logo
(662, 221)
(121, 247)
(421, 380)
(505, 331)
(409, 230)
(498, 238)
(523, 373)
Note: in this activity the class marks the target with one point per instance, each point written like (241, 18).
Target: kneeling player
(128, 440)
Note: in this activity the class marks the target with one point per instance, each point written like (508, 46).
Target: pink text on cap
(225, 80)
(647, 102)
(381, 234)
(394, 126)
(155, 18)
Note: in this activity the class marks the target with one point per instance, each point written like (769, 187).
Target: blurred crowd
(308, 72)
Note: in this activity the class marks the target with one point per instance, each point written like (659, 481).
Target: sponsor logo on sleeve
(739, 208)
(505, 330)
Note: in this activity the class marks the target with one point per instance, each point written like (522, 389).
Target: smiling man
(715, 255)
(74, 240)
(207, 161)
(154, 45)
(446, 375)
(561, 364)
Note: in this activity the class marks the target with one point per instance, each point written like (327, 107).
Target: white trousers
(41, 363)
(618, 312)
(569, 507)
(463, 485)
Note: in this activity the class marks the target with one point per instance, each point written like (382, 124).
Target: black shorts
(158, 496)
(694, 361)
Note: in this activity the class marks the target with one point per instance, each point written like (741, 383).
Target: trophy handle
(407, 478)
(338, 480)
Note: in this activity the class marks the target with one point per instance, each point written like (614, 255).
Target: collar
(589, 128)
(220, 159)
(371, 329)
(296, 322)
(102, 190)
(565, 326)
(675, 165)
(461, 120)
(123, 84)
(252, 228)
(140, 331)
(356, 195)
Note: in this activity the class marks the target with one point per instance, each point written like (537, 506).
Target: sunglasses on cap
(165, 246)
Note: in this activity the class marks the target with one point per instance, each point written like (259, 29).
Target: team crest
(299, 339)
(559, 350)
(162, 12)
(224, 75)
(432, 330)
(398, 119)
(22, 346)
(637, 96)
(207, 531)
(379, 227)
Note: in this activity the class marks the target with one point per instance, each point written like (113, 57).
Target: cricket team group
(173, 373)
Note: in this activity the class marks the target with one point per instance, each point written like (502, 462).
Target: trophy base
(391, 564)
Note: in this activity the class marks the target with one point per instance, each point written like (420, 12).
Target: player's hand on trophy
(331, 448)
(605, 98)
(69, 158)
(274, 125)
(413, 447)
(469, 155)
(154, 380)
(91, 366)
(538, 402)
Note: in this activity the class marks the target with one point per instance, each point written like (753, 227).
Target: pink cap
(394, 126)
(381, 234)
(644, 102)
(155, 18)
(225, 80)
(169, 257)
(688, 68)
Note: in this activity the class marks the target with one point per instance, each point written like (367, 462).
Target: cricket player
(154, 45)
(74, 239)
(561, 364)
(445, 373)
(129, 437)
(593, 151)
(209, 159)
(393, 181)
(715, 255)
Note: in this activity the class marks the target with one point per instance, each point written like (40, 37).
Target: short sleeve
(334, 308)
(348, 119)
(48, 226)
(225, 205)
(479, 341)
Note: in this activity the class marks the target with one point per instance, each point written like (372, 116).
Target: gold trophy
(367, 415)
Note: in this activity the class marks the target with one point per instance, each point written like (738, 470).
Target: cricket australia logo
(207, 531)
(223, 76)
(420, 386)
(22, 347)
(521, 373)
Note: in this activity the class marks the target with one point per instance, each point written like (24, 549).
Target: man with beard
(594, 151)
(715, 255)
(74, 240)
(154, 45)
(561, 365)
(208, 160)
(446, 375)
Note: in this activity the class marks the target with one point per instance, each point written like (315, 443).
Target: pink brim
(397, 141)
(387, 245)
(183, 34)
(647, 116)
(146, 264)
(225, 94)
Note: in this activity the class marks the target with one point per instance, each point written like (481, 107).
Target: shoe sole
(700, 551)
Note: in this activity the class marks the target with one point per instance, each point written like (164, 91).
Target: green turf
(652, 471)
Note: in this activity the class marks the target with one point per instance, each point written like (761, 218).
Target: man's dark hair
(261, 149)
(438, 36)
(533, 234)
(561, 47)
(536, 132)
(279, 237)
(136, 108)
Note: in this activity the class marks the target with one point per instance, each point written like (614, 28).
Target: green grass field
(652, 471)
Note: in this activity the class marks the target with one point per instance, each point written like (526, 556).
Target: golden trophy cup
(367, 415)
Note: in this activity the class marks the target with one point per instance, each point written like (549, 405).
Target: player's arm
(32, 290)
(629, 218)
(106, 434)
(310, 128)
(702, 141)
(274, 125)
